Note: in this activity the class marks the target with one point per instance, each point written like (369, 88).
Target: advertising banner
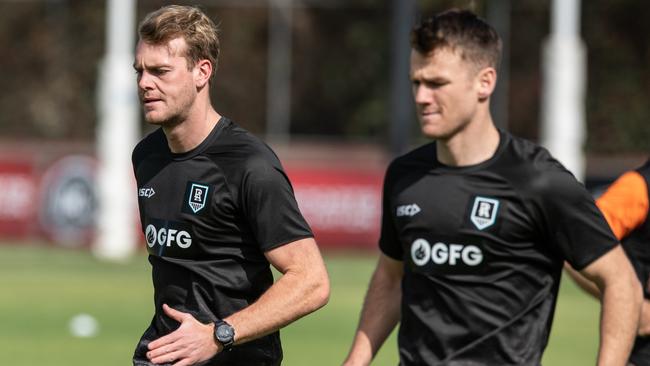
(18, 191)
(342, 205)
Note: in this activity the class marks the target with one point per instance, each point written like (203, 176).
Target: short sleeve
(625, 204)
(571, 220)
(388, 240)
(269, 205)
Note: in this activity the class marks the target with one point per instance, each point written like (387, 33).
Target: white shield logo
(484, 212)
(198, 196)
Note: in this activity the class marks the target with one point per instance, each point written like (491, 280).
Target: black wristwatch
(224, 333)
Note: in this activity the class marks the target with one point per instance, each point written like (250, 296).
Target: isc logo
(408, 210)
(167, 237)
(146, 192)
(441, 253)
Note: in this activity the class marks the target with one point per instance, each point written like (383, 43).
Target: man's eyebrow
(138, 66)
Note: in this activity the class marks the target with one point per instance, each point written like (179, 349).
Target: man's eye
(436, 84)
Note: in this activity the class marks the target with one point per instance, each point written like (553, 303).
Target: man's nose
(422, 95)
(144, 81)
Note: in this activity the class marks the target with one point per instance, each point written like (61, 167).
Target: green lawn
(42, 288)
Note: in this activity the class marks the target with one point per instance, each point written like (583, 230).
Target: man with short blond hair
(217, 209)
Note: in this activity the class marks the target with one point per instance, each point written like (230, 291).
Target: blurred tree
(240, 85)
(48, 68)
(340, 67)
(529, 28)
(341, 71)
(618, 40)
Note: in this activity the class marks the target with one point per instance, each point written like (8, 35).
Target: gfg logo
(167, 237)
(441, 253)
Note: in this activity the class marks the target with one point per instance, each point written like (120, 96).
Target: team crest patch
(196, 197)
(198, 194)
(484, 212)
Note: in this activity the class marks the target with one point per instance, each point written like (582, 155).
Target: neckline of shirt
(503, 141)
(204, 144)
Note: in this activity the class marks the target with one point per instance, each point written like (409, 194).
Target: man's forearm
(302, 289)
(380, 315)
(621, 307)
(377, 322)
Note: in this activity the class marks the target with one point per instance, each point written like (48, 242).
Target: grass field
(42, 288)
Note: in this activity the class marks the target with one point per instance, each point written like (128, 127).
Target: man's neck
(476, 143)
(192, 131)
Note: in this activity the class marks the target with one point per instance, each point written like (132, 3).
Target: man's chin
(153, 119)
(158, 120)
(434, 133)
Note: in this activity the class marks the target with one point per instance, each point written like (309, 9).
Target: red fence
(58, 202)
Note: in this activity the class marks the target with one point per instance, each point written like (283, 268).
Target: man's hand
(191, 343)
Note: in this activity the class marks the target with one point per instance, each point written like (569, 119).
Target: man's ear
(487, 81)
(202, 72)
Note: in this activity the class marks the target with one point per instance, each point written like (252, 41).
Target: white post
(278, 90)
(563, 99)
(116, 136)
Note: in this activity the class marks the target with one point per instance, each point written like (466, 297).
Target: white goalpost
(117, 132)
(563, 129)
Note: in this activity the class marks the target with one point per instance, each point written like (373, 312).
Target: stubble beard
(175, 117)
(168, 122)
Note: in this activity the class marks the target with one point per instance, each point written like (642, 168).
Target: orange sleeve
(625, 203)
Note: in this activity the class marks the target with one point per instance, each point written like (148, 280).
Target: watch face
(224, 332)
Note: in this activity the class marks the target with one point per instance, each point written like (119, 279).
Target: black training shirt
(208, 216)
(483, 248)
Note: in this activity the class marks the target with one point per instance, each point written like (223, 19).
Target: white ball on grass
(83, 326)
